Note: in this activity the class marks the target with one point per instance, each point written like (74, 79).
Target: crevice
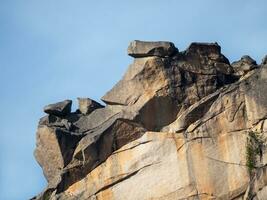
(113, 103)
(259, 120)
(194, 112)
(129, 175)
(83, 156)
(205, 120)
(199, 194)
(225, 162)
(196, 138)
(238, 130)
(90, 130)
(198, 95)
(238, 196)
(132, 147)
(210, 117)
(235, 113)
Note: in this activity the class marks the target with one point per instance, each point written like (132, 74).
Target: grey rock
(138, 49)
(87, 105)
(247, 59)
(50, 120)
(54, 149)
(97, 146)
(256, 98)
(192, 114)
(87, 123)
(59, 109)
(203, 48)
(180, 115)
(244, 65)
(163, 87)
(210, 50)
(264, 60)
(65, 123)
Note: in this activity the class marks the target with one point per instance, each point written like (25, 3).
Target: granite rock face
(87, 105)
(178, 125)
(138, 49)
(59, 109)
(244, 65)
(264, 60)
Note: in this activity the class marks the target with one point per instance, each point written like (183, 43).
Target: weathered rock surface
(168, 166)
(54, 151)
(59, 109)
(87, 105)
(244, 65)
(138, 49)
(264, 60)
(163, 87)
(179, 125)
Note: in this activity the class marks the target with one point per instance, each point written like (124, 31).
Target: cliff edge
(178, 125)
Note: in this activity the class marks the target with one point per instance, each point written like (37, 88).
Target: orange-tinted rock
(178, 125)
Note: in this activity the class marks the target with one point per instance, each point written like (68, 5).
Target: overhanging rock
(176, 126)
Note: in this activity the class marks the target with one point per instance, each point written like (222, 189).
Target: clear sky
(55, 50)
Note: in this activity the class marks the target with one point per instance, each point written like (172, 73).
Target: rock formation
(178, 125)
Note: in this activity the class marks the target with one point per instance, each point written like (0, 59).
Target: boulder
(59, 109)
(54, 121)
(192, 114)
(54, 149)
(211, 49)
(264, 60)
(205, 58)
(139, 49)
(87, 105)
(206, 160)
(244, 65)
(180, 125)
(247, 59)
(163, 87)
(50, 120)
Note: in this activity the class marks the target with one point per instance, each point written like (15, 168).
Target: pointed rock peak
(247, 59)
(204, 48)
(87, 105)
(244, 65)
(192, 106)
(59, 109)
(139, 49)
(264, 60)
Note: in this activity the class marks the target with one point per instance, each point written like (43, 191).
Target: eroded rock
(244, 65)
(264, 60)
(87, 105)
(96, 147)
(176, 126)
(59, 109)
(163, 87)
(139, 49)
(54, 149)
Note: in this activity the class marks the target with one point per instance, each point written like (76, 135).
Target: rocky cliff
(178, 125)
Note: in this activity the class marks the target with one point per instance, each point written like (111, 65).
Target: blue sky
(55, 50)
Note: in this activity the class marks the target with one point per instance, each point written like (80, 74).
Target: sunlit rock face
(178, 125)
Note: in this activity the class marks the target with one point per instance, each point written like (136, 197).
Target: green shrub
(254, 146)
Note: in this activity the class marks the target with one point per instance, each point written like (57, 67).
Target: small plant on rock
(255, 144)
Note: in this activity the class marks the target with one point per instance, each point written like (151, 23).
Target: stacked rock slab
(87, 105)
(244, 65)
(139, 49)
(176, 126)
